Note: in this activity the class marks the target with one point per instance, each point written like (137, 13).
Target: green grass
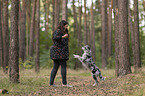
(36, 84)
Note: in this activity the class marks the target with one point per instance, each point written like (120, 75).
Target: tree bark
(137, 41)
(75, 20)
(110, 28)
(132, 33)
(28, 21)
(22, 45)
(1, 38)
(116, 36)
(64, 10)
(14, 43)
(104, 33)
(56, 13)
(80, 29)
(32, 29)
(5, 36)
(85, 25)
(37, 66)
(124, 60)
(53, 14)
(46, 6)
(92, 31)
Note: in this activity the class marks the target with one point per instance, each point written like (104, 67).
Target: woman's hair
(61, 26)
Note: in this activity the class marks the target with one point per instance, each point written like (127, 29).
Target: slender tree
(53, 14)
(37, 66)
(5, 36)
(116, 36)
(46, 9)
(137, 42)
(14, 43)
(104, 33)
(28, 24)
(92, 35)
(132, 33)
(22, 43)
(85, 25)
(110, 27)
(64, 10)
(32, 29)
(56, 13)
(1, 39)
(124, 61)
(75, 20)
(80, 24)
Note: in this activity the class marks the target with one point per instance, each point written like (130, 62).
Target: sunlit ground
(32, 83)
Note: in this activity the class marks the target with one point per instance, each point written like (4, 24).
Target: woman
(59, 52)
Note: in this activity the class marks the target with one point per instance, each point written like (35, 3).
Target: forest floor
(32, 84)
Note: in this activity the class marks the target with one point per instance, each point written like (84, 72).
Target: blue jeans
(57, 63)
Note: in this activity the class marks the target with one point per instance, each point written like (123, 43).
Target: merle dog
(87, 61)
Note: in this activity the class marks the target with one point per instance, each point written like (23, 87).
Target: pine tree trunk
(92, 31)
(80, 29)
(75, 20)
(46, 6)
(136, 35)
(85, 25)
(37, 66)
(124, 60)
(56, 13)
(14, 43)
(53, 14)
(28, 18)
(5, 36)
(132, 33)
(32, 29)
(104, 34)
(64, 10)
(22, 46)
(1, 39)
(116, 37)
(110, 29)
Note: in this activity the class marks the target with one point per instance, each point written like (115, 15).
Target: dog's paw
(103, 78)
(94, 84)
(76, 56)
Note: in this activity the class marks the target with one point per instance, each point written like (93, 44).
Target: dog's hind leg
(96, 80)
(101, 77)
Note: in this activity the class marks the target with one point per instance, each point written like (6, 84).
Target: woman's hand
(65, 36)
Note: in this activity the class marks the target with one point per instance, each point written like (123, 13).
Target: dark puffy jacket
(59, 49)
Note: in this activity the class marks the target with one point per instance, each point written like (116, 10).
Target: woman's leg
(63, 71)
(54, 71)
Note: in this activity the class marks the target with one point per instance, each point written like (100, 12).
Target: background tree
(14, 43)
(80, 26)
(85, 25)
(47, 11)
(22, 41)
(132, 32)
(137, 41)
(116, 37)
(109, 35)
(64, 9)
(32, 29)
(5, 36)
(28, 24)
(92, 33)
(57, 2)
(124, 60)
(37, 66)
(104, 33)
(1, 39)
